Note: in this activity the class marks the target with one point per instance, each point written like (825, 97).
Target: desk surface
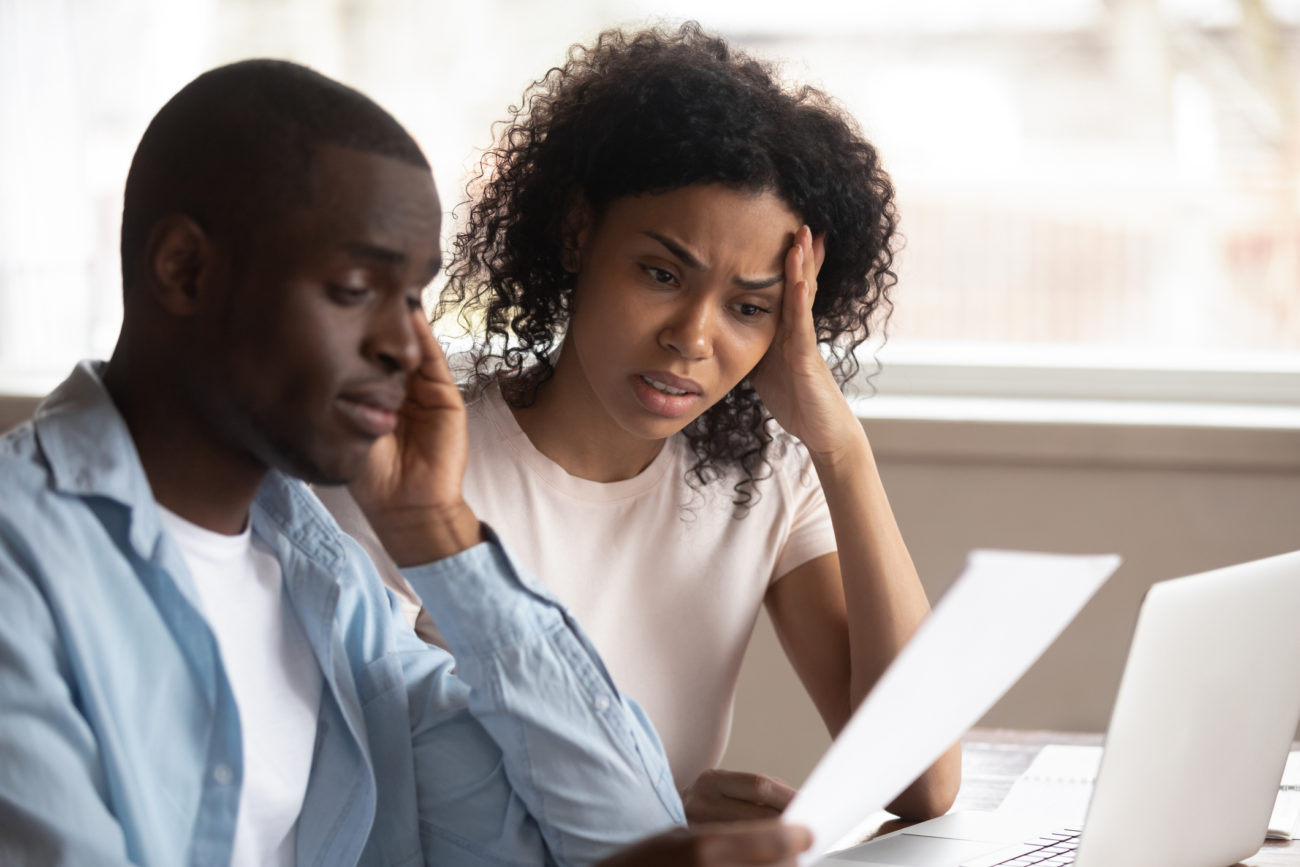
(993, 759)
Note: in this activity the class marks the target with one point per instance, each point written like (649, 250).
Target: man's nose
(392, 340)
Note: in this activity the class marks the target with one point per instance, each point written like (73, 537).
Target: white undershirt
(275, 679)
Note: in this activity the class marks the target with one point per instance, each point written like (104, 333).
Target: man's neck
(190, 470)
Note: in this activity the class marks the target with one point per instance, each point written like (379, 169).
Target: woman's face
(678, 296)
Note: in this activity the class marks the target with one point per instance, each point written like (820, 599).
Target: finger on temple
(793, 277)
(819, 251)
(433, 363)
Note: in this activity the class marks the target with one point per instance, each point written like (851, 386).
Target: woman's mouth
(663, 386)
(662, 398)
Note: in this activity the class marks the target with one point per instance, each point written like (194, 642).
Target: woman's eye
(659, 275)
(751, 310)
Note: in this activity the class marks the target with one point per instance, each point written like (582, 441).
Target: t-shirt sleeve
(351, 520)
(808, 531)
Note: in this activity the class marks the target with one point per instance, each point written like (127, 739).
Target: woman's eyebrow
(750, 284)
(686, 256)
(757, 284)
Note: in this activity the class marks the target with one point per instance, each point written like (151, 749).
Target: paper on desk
(1057, 786)
(1284, 823)
(995, 621)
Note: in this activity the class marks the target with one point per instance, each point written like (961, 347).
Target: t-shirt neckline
(200, 541)
(498, 412)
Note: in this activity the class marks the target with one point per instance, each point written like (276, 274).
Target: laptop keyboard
(1049, 850)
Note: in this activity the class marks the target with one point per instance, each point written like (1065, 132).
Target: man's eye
(348, 294)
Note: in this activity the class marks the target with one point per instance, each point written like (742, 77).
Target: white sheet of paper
(995, 621)
(1057, 786)
(1284, 824)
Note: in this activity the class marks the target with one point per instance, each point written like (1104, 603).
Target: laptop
(1203, 721)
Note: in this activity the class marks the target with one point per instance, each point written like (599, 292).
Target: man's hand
(740, 843)
(410, 488)
(728, 796)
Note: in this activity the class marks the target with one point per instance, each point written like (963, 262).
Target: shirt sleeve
(809, 533)
(52, 808)
(583, 758)
(338, 501)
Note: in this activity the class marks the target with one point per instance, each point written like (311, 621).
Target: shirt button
(602, 702)
(223, 774)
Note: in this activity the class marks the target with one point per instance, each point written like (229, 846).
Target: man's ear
(179, 260)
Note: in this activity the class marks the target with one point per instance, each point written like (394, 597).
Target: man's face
(312, 347)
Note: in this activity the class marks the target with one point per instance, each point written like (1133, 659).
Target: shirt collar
(90, 453)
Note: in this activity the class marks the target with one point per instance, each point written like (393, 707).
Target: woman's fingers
(818, 251)
(755, 788)
(802, 264)
(725, 796)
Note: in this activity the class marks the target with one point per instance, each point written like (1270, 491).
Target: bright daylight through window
(1087, 187)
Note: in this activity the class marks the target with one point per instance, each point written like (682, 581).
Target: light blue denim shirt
(120, 737)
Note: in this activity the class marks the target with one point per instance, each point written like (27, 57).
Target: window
(1099, 199)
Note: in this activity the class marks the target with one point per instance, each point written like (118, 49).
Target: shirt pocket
(381, 689)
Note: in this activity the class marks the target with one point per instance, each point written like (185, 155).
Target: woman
(660, 248)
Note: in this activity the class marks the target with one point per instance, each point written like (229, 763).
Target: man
(196, 667)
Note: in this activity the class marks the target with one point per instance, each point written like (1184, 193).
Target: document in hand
(995, 621)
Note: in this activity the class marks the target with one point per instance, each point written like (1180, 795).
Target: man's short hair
(233, 148)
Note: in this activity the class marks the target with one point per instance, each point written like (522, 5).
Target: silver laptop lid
(1203, 720)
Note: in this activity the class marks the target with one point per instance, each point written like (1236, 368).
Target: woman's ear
(574, 232)
(179, 259)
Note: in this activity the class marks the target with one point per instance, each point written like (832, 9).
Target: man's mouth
(372, 412)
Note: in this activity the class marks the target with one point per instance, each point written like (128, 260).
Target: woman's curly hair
(650, 112)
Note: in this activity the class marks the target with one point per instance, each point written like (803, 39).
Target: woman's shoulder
(484, 408)
(793, 479)
(785, 480)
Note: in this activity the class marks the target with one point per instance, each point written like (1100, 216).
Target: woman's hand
(727, 796)
(792, 378)
(727, 845)
(410, 488)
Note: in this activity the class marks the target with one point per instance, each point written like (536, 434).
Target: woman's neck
(567, 423)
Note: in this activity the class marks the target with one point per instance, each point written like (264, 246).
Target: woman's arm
(841, 630)
(842, 618)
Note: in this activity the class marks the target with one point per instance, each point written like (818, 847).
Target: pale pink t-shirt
(669, 596)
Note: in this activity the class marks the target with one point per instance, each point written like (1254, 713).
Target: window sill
(1044, 432)
(1083, 432)
(16, 409)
